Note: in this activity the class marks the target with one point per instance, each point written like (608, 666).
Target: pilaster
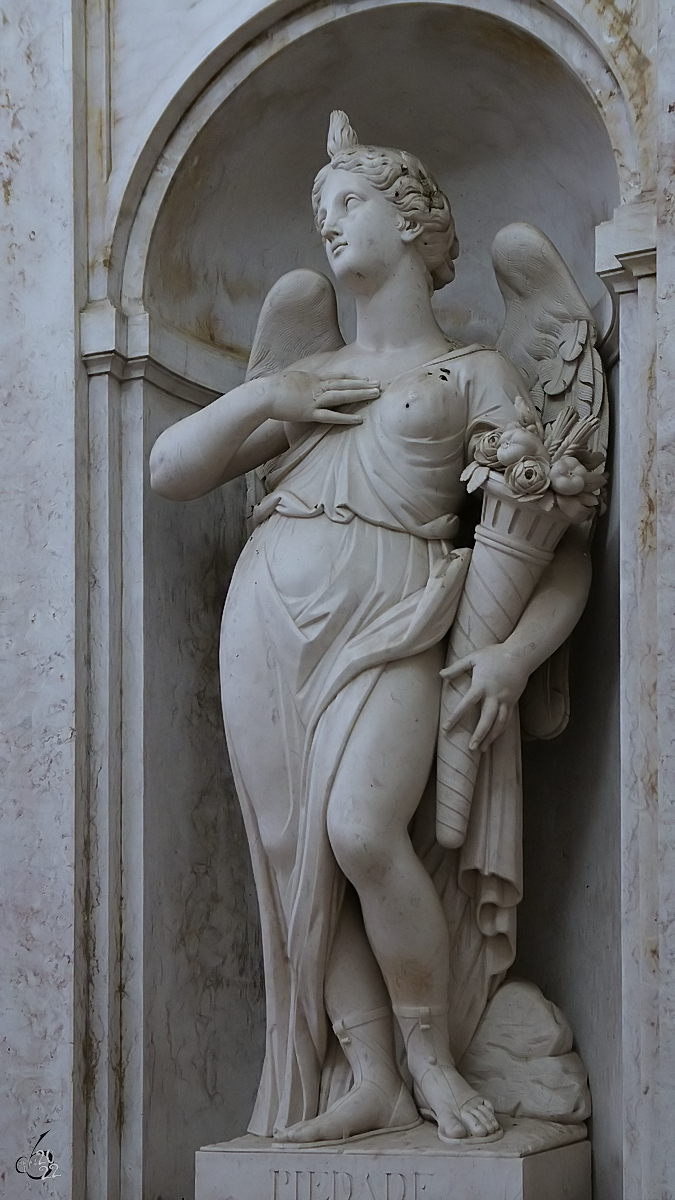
(626, 260)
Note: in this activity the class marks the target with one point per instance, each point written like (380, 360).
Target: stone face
(534, 1160)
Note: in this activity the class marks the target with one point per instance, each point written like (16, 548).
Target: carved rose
(528, 478)
(485, 450)
(517, 443)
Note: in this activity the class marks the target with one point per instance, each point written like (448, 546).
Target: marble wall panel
(665, 465)
(40, 745)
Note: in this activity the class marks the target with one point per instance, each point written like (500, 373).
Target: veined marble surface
(665, 540)
(42, 733)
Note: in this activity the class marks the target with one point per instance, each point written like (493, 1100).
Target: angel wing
(549, 331)
(298, 318)
(550, 334)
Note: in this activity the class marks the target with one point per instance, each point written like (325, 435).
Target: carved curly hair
(404, 181)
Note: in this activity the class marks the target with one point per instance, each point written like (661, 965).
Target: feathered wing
(549, 331)
(550, 334)
(298, 318)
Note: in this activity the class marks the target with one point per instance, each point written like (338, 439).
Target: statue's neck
(398, 315)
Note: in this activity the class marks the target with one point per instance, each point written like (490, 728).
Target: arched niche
(508, 130)
(520, 120)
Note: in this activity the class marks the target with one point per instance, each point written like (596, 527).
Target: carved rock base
(534, 1159)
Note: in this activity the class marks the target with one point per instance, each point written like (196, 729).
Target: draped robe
(313, 656)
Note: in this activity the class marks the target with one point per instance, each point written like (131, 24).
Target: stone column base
(534, 1159)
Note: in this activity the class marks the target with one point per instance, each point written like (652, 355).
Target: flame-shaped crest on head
(341, 136)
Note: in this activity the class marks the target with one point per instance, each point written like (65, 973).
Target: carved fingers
(300, 396)
(486, 731)
(331, 394)
(472, 698)
(494, 715)
(458, 668)
(488, 716)
(497, 681)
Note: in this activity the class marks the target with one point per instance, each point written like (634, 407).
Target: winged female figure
(333, 642)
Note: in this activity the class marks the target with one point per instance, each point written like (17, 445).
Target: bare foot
(445, 1096)
(442, 1094)
(367, 1108)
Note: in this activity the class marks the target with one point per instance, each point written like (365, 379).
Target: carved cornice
(625, 247)
(105, 362)
(141, 347)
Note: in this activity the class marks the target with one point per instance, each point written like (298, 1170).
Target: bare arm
(500, 673)
(555, 606)
(264, 443)
(192, 456)
(246, 427)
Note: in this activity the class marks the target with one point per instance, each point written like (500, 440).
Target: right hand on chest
(300, 396)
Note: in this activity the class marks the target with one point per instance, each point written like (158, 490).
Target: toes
(479, 1119)
(487, 1122)
(474, 1123)
(283, 1135)
(295, 1134)
(450, 1127)
(487, 1114)
(304, 1131)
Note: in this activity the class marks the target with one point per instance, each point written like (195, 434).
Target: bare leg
(353, 980)
(377, 789)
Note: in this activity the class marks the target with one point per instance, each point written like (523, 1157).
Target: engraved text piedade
(343, 1185)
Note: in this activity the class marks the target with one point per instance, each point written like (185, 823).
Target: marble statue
(372, 669)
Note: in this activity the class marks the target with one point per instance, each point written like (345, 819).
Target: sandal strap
(421, 1013)
(346, 1025)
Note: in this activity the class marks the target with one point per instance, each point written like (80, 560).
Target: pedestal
(535, 1160)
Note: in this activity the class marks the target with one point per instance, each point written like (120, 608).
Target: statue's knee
(359, 852)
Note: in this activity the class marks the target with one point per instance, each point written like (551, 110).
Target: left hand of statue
(498, 679)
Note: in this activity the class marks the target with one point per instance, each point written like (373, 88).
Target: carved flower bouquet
(536, 481)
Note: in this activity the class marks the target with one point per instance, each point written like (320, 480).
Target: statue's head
(422, 210)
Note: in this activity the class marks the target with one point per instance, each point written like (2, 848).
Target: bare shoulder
(484, 360)
(483, 369)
